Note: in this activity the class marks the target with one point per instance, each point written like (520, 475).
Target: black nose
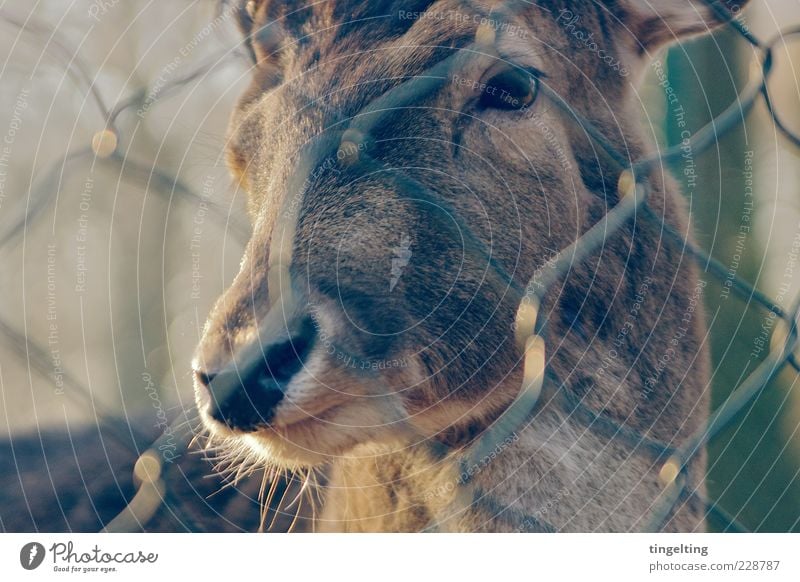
(244, 395)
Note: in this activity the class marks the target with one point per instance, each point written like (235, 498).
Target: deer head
(408, 170)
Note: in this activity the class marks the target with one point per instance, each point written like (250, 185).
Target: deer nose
(243, 396)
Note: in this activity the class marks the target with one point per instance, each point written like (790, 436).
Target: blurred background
(119, 226)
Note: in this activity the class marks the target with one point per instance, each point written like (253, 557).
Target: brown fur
(526, 184)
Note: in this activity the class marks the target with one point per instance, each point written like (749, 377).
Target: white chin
(281, 452)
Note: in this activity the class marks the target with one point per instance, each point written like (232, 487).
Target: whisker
(270, 495)
(278, 506)
(263, 508)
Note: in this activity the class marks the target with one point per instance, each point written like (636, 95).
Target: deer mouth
(324, 409)
(311, 441)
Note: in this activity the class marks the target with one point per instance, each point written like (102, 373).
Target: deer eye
(510, 89)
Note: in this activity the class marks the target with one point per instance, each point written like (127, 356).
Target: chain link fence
(154, 471)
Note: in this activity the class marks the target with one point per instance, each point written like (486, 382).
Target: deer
(399, 210)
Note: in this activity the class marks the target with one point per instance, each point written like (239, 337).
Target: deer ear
(654, 23)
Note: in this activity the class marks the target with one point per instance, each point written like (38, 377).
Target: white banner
(390, 557)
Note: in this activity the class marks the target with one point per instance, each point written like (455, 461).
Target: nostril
(204, 378)
(202, 382)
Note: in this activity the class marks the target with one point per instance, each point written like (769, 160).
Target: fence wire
(152, 470)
